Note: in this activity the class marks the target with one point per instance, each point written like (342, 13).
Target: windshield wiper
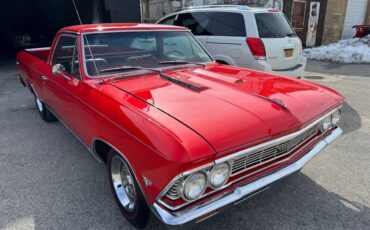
(124, 68)
(181, 62)
(291, 35)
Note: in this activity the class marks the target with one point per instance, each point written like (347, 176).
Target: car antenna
(101, 81)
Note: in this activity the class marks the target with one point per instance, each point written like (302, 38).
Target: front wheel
(126, 190)
(44, 112)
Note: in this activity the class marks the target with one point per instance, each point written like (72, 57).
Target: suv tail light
(257, 48)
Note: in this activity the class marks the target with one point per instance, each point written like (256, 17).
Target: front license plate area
(288, 52)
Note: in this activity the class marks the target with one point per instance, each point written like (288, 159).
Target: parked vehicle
(256, 38)
(181, 135)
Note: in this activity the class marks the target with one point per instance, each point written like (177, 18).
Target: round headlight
(335, 117)
(194, 186)
(326, 124)
(219, 175)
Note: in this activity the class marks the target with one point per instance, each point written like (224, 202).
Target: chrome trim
(275, 141)
(57, 43)
(38, 49)
(124, 157)
(173, 208)
(186, 173)
(182, 217)
(291, 152)
(242, 152)
(122, 31)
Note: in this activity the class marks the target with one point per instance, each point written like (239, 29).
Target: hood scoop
(184, 83)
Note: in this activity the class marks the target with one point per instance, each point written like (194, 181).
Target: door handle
(43, 78)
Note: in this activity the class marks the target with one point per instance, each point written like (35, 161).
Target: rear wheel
(44, 112)
(126, 191)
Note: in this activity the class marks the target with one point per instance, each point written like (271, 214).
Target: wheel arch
(223, 58)
(101, 147)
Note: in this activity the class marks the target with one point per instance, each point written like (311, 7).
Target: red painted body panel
(164, 129)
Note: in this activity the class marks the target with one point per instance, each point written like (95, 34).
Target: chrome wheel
(39, 104)
(123, 183)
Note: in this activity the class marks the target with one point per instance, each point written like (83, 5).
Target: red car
(182, 135)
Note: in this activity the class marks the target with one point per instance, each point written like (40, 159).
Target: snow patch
(356, 51)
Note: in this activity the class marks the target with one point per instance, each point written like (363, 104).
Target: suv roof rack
(241, 7)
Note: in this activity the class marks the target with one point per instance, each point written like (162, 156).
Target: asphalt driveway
(48, 180)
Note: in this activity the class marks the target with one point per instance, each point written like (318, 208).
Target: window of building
(298, 14)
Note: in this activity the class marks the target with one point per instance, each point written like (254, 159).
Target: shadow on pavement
(294, 203)
(351, 119)
(338, 68)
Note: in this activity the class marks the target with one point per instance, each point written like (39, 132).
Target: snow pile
(356, 50)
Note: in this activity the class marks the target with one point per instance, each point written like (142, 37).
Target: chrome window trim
(121, 31)
(64, 34)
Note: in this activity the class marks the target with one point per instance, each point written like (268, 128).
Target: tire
(44, 112)
(222, 62)
(130, 200)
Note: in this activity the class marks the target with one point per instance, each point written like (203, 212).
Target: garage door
(355, 15)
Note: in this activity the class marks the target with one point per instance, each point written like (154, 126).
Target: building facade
(316, 22)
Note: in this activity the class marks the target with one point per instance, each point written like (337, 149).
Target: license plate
(288, 52)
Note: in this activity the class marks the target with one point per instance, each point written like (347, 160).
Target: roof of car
(90, 28)
(227, 8)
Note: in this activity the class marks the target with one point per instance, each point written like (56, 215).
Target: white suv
(256, 38)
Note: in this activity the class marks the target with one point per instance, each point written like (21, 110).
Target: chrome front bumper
(240, 193)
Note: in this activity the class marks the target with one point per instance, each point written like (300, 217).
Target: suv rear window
(273, 25)
(213, 23)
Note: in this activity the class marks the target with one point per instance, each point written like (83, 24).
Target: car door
(68, 95)
(283, 47)
(227, 37)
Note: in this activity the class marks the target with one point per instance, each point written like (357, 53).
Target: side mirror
(58, 69)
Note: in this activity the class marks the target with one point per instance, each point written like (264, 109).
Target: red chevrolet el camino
(181, 135)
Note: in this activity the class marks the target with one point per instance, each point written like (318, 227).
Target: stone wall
(367, 16)
(334, 20)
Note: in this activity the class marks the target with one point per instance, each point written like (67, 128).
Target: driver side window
(66, 54)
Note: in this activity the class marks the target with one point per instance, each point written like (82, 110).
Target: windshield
(273, 25)
(143, 49)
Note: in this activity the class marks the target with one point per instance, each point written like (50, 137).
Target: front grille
(172, 193)
(261, 156)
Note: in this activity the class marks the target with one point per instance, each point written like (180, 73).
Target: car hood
(232, 107)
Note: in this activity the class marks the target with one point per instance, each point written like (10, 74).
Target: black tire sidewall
(140, 216)
(45, 114)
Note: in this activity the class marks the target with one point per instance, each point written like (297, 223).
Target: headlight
(219, 175)
(194, 186)
(335, 117)
(326, 124)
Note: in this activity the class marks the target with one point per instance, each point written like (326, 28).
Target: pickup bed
(181, 135)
